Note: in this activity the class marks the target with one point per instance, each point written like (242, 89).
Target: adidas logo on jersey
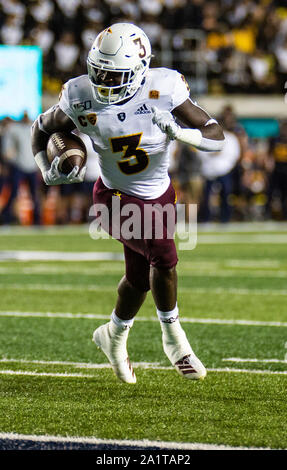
(143, 110)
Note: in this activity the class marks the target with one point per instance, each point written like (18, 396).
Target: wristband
(210, 145)
(194, 137)
(189, 136)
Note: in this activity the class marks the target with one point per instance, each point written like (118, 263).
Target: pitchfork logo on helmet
(118, 62)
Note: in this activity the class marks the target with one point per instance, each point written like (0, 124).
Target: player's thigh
(137, 269)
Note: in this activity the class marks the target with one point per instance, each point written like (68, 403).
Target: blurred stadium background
(57, 284)
(233, 54)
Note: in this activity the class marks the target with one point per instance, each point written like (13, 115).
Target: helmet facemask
(129, 83)
(125, 62)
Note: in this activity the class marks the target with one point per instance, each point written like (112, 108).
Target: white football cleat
(180, 353)
(112, 340)
(191, 367)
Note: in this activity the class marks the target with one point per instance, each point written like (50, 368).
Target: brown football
(70, 148)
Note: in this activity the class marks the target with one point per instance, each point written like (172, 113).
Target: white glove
(166, 122)
(54, 177)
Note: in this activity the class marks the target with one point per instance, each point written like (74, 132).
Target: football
(69, 148)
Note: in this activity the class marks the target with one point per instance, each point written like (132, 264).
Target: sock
(121, 323)
(175, 342)
(168, 317)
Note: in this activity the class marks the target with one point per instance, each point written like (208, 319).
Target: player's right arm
(53, 120)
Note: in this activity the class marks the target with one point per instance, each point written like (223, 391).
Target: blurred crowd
(24, 197)
(245, 181)
(243, 43)
(243, 47)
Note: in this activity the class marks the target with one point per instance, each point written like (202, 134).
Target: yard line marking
(45, 374)
(142, 365)
(238, 359)
(220, 321)
(235, 239)
(56, 287)
(108, 366)
(94, 316)
(95, 288)
(252, 263)
(235, 273)
(81, 365)
(231, 227)
(249, 371)
(48, 270)
(60, 256)
(125, 442)
(192, 264)
(44, 230)
(55, 315)
(183, 271)
(233, 290)
(234, 263)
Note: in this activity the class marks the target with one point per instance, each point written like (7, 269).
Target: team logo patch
(92, 118)
(154, 94)
(143, 110)
(82, 106)
(121, 116)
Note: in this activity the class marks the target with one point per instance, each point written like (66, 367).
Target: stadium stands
(224, 48)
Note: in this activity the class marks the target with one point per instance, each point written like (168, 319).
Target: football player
(128, 109)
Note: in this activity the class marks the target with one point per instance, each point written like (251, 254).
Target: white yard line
(233, 290)
(202, 239)
(252, 263)
(266, 226)
(230, 262)
(246, 239)
(60, 256)
(8, 230)
(81, 365)
(147, 366)
(195, 271)
(249, 371)
(56, 287)
(95, 288)
(45, 374)
(142, 365)
(94, 316)
(134, 443)
(264, 361)
(231, 227)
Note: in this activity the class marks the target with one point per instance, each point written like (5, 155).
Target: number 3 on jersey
(134, 159)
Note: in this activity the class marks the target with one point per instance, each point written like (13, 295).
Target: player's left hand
(166, 122)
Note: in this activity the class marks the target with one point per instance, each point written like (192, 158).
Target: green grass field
(232, 299)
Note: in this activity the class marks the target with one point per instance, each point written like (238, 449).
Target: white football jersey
(133, 152)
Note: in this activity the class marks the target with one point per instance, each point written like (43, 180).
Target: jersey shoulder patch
(167, 85)
(76, 96)
(162, 79)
